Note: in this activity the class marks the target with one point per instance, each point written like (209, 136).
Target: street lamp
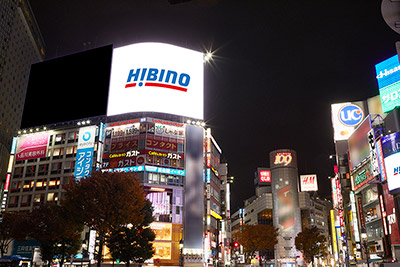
(364, 237)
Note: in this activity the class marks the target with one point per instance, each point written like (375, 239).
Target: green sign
(390, 96)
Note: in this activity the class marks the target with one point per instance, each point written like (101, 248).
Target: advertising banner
(388, 77)
(308, 182)
(165, 78)
(391, 149)
(169, 131)
(358, 143)
(264, 176)
(345, 118)
(84, 154)
(285, 207)
(32, 146)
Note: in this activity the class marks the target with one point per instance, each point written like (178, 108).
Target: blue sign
(391, 144)
(351, 115)
(25, 249)
(148, 169)
(83, 164)
(388, 71)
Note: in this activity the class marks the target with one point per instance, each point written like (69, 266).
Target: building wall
(286, 214)
(22, 45)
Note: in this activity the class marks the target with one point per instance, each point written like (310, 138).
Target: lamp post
(181, 253)
(364, 237)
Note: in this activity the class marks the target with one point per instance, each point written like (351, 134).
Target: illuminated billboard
(358, 143)
(156, 77)
(388, 71)
(84, 154)
(391, 149)
(32, 146)
(388, 77)
(308, 182)
(264, 176)
(345, 118)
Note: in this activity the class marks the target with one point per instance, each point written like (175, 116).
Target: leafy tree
(12, 228)
(106, 201)
(133, 242)
(58, 234)
(258, 237)
(311, 242)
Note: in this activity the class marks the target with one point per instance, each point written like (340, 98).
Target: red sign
(159, 144)
(32, 146)
(265, 176)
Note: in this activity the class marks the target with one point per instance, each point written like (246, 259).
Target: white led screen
(156, 77)
(393, 171)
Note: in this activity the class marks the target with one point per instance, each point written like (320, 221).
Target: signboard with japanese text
(169, 131)
(84, 154)
(153, 142)
(308, 182)
(166, 79)
(388, 77)
(32, 146)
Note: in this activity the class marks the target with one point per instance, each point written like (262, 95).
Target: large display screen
(358, 143)
(388, 77)
(388, 71)
(392, 164)
(156, 77)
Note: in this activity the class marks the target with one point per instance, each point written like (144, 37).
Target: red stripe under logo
(183, 89)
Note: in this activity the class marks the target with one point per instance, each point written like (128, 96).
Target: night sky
(278, 66)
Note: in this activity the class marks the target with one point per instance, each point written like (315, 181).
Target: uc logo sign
(86, 136)
(350, 115)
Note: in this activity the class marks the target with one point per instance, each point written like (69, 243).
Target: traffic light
(236, 244)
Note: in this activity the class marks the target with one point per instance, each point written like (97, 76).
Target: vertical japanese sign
(84, 154)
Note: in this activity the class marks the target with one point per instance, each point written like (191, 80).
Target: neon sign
(265, 176)
(283, 158)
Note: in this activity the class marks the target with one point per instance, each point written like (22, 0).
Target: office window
(28, 185)
(15, 186)
(43, 169)
(18, 172)
(52, 197)
(56, 167)
(26, 200)
(41, 184)
(37, 199)
(30, 171)
(54, 183)
(58, 153)
(60, 139)
(13, 201)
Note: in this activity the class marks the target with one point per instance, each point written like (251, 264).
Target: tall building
(22, 45)
(166, 145)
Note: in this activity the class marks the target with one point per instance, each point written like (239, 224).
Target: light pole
(364, 237)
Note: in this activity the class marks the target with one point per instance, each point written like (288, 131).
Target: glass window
(153, 178)
(41, 184)
(30, 171)
(52, 197)
(26, 200)
(43, 169)
(60, 138)
(15, 186)
(54, 183)
(13, 201)
(18, 172)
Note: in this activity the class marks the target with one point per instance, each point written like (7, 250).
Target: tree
(106, 201)
(12, 228)
(311, 242)
(133, 242)
(58, 233)
(258, 237)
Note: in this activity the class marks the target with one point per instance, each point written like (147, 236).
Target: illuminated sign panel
(359, 148)
(393, 171)
(84, 154)
(387, 71)
(165, 78)
(345, 117)
(284, 158)
(388, 77)
(308, 182)
(390, 97)
(264, 176)
(32, 146)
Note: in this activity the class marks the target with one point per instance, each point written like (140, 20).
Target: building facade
(22, 45)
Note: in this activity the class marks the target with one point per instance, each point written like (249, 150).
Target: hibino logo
(396, 170)
(350, 115)
(158, 78)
